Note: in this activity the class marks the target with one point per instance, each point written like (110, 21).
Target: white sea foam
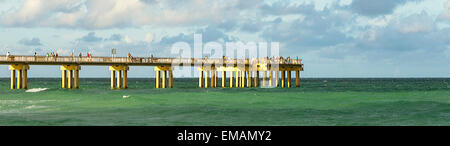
(34, 107)
(36, 90)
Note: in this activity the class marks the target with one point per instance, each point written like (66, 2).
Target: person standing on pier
(151, 57)
(129, 57)
(8, 55)
(88, 55)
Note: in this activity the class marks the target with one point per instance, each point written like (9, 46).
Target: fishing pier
(243, 73)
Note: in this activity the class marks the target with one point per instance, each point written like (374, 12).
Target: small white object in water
(36, 90)
(125, 96)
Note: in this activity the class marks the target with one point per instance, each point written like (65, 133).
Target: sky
(335, 38)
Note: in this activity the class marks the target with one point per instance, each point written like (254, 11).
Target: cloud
(251, 26)
(42, 13)
(90, 37)
(100, 14)
(127, 39)
(376, 7)
(31, 42)
(227, 25)
(148, 38)
(285, 8)
(213, 34)
(446, 14)
(319, 28)
(115, 37)
(415, 23)
(333, 34)
(410, 39)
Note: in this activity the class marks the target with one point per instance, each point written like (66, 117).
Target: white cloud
(127, 39)
(39, 12)
(415, 23)
(148, 38)
(94, 14)
(446, 13)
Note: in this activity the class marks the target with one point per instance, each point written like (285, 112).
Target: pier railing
(139, 60)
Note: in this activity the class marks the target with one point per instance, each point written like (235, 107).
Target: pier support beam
(238, 79)
(76, 81)
(158, 79)
(231, 79)
(13, 79)
(125, 79)
(256, 78)
(297, 78)
(270, 78)
(206, 79)
(19, 76)
(70, 79)
(24, 79)
(282, 78)
(19, 79)
(249, 79)
(167, 76)
(213, 79)
(216, 80)
(264, 78)
(113, 79)
(277, 78)
(164, 79)
(242, 79)
(119, 79)
(289, 79)
(70, 76)
(170, 78)
(118, 76)
(200, 78)
(224, 79)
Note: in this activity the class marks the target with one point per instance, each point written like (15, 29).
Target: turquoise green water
(317, 102)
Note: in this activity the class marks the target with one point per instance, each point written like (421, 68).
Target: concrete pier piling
(264, 78)
(282, 78)
(19, 76)
(200, 79)
(158, 79)
(297, 78)
(257, 79)
(70, 76)
(167, 81)
(119, 77)
(288, 79)
(224, 79)
(207, 81)
(249, 79)
(232, 82)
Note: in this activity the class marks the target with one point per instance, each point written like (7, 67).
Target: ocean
(319, 101)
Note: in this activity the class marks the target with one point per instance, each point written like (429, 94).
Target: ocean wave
(36, 90)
